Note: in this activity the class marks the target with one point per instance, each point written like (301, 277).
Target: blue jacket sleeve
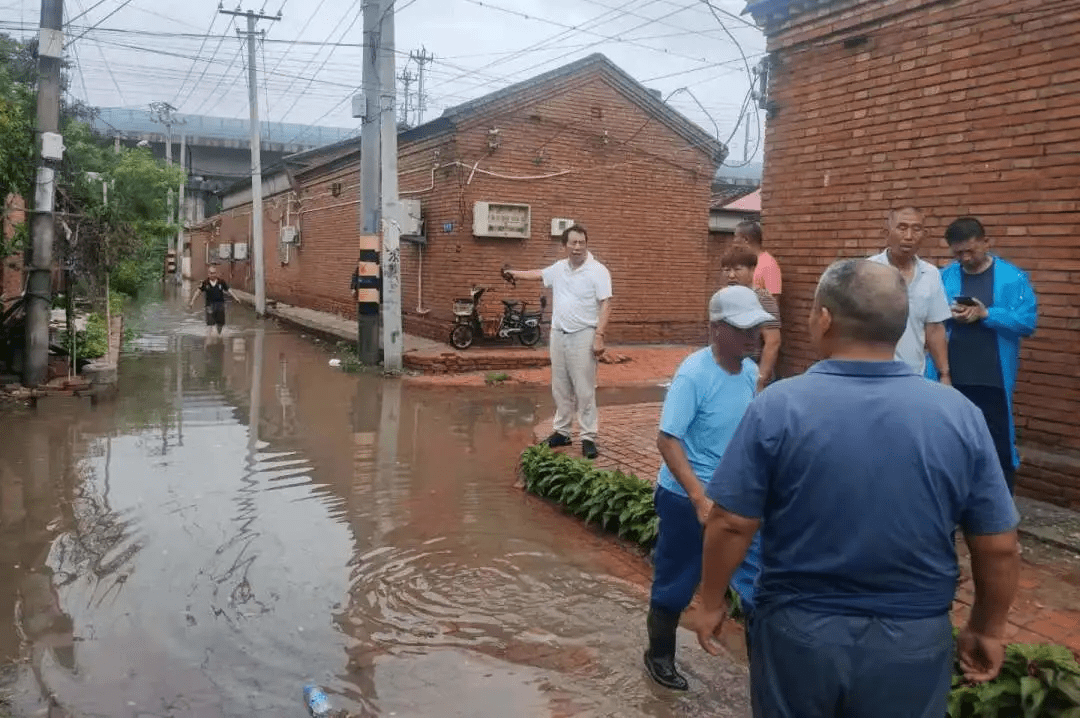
(1017, 313)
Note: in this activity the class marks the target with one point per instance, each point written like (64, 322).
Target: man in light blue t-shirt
(707, 399)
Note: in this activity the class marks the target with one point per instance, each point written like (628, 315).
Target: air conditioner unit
(290, 235)
(501, 219)
(224, 251)
(240, 251)
(560, 225)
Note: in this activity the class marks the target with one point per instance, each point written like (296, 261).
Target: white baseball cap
(738, 306)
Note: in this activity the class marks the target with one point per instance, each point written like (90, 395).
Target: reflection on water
(243, 519)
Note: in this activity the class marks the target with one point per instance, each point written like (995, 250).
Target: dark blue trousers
(994, 405)
(812, 665)
(677, 556)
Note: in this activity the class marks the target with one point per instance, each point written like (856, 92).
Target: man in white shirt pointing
(581, 306)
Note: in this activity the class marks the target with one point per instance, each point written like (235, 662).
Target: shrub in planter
(619, 503)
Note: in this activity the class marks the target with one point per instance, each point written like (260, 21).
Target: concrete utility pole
(367, 310)
(181, 214)
(42, 224)
(163, 113)
(421, 58)
(407, 79)
(256, 156)
(392, 335)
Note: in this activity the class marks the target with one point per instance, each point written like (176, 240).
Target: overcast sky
(186, 53)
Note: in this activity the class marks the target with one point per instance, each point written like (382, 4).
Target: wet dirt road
(164, 554)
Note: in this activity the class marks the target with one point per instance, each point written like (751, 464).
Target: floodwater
(243, 519)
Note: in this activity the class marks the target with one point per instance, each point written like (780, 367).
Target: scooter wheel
(461, 336)
(529, 336)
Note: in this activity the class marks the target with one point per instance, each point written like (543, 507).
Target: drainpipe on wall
(420, 281)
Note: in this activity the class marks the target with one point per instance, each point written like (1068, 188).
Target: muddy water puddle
(243, 519)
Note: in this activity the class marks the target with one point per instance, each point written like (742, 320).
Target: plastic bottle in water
(317, 703)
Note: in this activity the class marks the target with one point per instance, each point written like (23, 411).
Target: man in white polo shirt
(581, 305)
(928, 307)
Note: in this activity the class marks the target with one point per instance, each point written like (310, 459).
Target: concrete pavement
(442, 365)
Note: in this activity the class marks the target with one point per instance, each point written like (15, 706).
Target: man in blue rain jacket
(993, 307)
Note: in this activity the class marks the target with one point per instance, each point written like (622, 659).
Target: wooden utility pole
(393, 338)
(42, 223)
(256, 156)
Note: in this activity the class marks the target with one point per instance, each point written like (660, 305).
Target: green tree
(115, 206)
(118, 232)
(17, 116)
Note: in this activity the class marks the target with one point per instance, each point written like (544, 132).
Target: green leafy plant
(91, 343)
(350, 360)
(1036, 681)
(620, 503)
(617, 502)
(495, 377)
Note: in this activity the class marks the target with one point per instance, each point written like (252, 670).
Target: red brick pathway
(627, 439)
(646, 366)
(1047, 609)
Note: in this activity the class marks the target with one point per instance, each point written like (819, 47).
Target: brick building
(585, 142)
(958, 108)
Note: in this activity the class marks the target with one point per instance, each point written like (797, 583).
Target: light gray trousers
(573, 382)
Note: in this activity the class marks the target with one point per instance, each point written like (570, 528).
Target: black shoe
(588, 449)
(662, 670)
(660, 655)
(556, 440)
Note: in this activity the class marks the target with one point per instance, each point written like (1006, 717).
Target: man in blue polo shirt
(858, 473)
(706, 401)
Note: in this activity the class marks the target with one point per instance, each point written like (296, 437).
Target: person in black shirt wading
(215, 291)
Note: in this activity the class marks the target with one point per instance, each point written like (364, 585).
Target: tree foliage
(17, 115)
(120, 231)
(115, 204)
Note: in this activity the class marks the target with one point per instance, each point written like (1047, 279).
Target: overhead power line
(344, 32)
(89, 10)
(556, 23)
(120, 7)
(202, 74)
(198, 53)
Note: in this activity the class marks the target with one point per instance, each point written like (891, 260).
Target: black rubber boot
(660, 655)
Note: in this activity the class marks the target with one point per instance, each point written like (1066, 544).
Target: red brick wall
(645, 206)
(643, 193)
(957, 108)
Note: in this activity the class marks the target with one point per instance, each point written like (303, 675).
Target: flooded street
(243, 519)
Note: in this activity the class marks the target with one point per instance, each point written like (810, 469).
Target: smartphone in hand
(965, 301)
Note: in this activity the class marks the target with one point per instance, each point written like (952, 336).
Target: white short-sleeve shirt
(927, 304)
(577, 293)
